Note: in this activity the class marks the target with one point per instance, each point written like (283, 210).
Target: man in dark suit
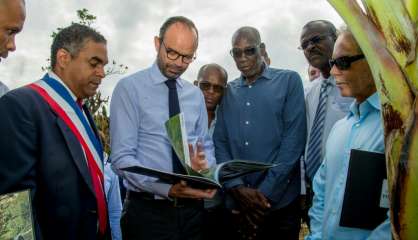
(49, 144)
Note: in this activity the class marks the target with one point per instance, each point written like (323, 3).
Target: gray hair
(331, 28)
(73, 39)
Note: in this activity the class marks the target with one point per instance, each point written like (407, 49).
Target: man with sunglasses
(141, 104)
(360, 129)
(212, 79)
(324, 103)
(262, 118)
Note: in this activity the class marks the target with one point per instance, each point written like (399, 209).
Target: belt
(177, 202)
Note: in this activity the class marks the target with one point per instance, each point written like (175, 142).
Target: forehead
(12, 13)
(344, 46)
(314, 29)
(214, 76)
(94, 50)
(242, 42)
(181, 38)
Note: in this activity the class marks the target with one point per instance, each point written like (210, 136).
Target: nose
(179, 61)
(11, 45)
(335, 71)
(100, 72)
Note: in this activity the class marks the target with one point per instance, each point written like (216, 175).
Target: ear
(63, 58)
(157, 43)
(263, 48)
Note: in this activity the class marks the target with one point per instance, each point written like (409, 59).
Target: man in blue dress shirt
(360, 129)
(262, 118)
(141, 104)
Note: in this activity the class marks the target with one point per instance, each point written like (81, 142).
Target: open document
(212, 178)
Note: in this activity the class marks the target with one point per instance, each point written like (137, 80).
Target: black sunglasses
(248, 51)
(205, 86)
(313, 40)
(344, 63)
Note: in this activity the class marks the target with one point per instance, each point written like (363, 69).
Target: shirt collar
(362, 109)
(331, 80)
(51, 74)
(158, 78)
(267, 74)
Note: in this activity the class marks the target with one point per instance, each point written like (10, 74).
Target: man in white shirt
(324, 103)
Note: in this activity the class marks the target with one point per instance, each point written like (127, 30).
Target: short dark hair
(332, 30)
(249, 33)
(72, 39)
(177, 19)
(214, 66)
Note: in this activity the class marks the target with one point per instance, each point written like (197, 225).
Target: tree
(386, 31)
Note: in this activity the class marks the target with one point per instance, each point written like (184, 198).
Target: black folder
(361, 205)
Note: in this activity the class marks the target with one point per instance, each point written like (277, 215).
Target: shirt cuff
(233, 183)
(160, 189)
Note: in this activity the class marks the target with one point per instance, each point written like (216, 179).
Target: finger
(183, 183)
(196, 193)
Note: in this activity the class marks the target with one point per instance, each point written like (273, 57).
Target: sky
(130, 27)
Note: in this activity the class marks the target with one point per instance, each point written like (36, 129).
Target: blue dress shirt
(114, 203)
(138, 111)
(361, 129)
(266, 122)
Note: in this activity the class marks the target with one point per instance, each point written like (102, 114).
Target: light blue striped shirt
(361, 129)
(138, 111)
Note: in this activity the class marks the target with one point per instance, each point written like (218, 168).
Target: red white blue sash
(63, 104)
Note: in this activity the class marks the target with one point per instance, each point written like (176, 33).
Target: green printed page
(16, 220)
(176, 130)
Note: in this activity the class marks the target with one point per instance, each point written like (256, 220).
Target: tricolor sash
(63, 104)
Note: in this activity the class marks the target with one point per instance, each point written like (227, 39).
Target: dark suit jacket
(39, 151)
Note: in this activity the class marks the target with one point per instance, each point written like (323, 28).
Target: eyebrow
(95, 58)
(170, 49)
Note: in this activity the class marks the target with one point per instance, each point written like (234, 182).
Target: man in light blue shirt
(114, 202)
(3, 89)
(141, 104)
(360, 129)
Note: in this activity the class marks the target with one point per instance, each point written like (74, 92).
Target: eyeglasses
(344, 63)
(206, 86)
(313, 40)
(248, 51)
(174, 55)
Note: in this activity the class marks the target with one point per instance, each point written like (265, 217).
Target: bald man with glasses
(262, 118)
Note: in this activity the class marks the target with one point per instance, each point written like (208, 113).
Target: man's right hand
(181, 190)
(252, 202)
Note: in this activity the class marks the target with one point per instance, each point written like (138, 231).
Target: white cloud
(130, 26)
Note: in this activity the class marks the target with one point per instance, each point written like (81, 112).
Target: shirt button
(248, 104)
(247, 122)
(250, 86)
(357, 125)
(246, 143)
